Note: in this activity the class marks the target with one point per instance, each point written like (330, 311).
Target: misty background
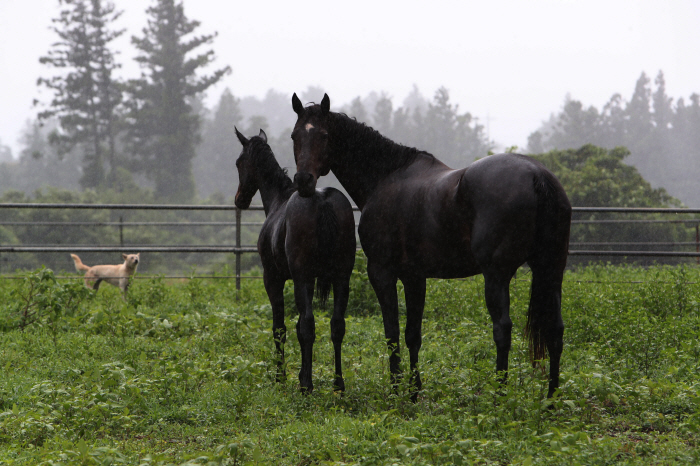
(483, 78)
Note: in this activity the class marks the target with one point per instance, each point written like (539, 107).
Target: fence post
(121, 232)
(697, 241)
(238, 247)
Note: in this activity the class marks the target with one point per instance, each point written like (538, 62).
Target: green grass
(184, 374)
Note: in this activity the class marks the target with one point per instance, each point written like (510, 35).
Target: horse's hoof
(339, 385)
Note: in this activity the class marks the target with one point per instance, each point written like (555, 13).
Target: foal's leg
(275, 292)
(498, 304)
(341, 293)
(384, 284)
(306, 330)
(414, 289)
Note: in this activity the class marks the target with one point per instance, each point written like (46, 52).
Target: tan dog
(117, 275)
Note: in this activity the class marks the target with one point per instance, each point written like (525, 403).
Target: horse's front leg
(306, 330)
(341, 293)
(384, 284)
(498, 303)
(274, 285)
(414, 289)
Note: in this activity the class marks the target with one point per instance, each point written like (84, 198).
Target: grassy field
(183, 373)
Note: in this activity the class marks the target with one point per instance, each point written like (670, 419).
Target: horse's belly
(457, 263)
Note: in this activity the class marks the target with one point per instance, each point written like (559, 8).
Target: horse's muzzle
(242, 201)
(305, 183)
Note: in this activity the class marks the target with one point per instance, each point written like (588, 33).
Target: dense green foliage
(662, 135)
(184, 374)
(597, 177)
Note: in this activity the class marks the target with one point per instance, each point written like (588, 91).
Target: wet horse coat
(422, 219)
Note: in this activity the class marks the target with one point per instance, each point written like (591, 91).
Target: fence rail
(238, 249)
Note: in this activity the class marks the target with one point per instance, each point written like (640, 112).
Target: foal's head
(248, 179)
(310, 138)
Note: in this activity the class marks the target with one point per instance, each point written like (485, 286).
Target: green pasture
(183, 373)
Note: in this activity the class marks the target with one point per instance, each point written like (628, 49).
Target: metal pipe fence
(581, 248)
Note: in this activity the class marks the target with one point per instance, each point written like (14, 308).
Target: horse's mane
(369, 145)
(269, 166)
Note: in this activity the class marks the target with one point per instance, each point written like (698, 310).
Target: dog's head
(131, 260)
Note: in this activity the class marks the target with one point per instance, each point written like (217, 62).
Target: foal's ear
(240, 137)
(296, 105)
(325, 104)
(263, 136)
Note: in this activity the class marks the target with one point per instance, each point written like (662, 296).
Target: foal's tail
(547, 262)
(327, 234)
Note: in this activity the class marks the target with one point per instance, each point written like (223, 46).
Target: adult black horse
(303, 239)
(422, 219)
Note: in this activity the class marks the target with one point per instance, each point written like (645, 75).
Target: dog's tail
(79, 266)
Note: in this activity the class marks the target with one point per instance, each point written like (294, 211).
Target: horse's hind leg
(341, 294)
(275, 292)
(545, 324)
(306, 330)
(498, 303)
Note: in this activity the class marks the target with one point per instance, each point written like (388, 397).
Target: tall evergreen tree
(357, 110)
(164, 129)
(85, 93)
(575, 126)
(455, 139)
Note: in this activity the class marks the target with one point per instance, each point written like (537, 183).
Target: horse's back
(449, 223)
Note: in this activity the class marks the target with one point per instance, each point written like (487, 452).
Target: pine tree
(455, 139)
(86, 95)
(164, 129)
(357, 110)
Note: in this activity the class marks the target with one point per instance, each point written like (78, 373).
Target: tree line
(146, 125)
(155, 136)
(661, 133)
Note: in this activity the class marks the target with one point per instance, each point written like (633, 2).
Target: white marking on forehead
(308, 127)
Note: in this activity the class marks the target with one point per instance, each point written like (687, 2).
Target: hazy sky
(508, 62)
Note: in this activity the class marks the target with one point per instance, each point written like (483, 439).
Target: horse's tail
(547, 262)
(327, 234)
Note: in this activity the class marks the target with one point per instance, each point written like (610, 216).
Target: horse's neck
(274, 191)
(360, 166)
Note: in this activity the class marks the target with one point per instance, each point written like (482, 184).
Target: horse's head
(247, 170)
(310, 138)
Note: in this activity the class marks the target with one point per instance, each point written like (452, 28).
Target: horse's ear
(325, 104)
(240, 137)
(296, 105)
(263, 136)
